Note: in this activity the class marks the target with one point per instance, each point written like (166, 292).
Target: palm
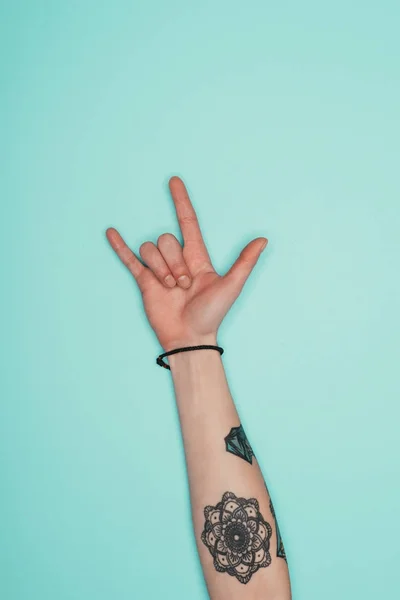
(174, 313)
(185, 313)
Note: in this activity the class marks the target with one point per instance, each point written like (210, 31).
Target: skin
(184, 297)
(185, 301)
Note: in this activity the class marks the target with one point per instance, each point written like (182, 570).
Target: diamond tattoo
(237, 443)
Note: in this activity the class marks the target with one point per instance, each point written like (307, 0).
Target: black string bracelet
(161, 363)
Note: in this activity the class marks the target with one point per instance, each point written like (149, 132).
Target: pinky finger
(126, 255)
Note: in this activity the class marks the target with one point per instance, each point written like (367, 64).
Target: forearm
(207, 414)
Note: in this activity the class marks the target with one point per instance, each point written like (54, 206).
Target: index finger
(187, 219)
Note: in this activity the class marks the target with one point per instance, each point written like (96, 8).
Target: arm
(207, 414)
(185, 300)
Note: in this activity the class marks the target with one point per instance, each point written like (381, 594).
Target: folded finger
(172, 252)
(155, 261)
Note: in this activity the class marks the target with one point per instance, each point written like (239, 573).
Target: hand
(184, 298)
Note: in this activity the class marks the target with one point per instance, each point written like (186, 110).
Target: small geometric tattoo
(280, 550)
(237, 443)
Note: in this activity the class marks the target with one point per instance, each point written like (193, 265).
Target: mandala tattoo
(280, 550)
(237, 536)
(237, 443)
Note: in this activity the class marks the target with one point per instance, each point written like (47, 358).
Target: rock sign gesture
(184, 298)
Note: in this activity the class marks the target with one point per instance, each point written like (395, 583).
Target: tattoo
(237, 443)
(237, 536)
(280, 548)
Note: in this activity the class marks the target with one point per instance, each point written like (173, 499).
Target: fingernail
(170, 281)
(264, 245)
(184, 281)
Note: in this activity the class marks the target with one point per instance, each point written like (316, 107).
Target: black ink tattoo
(280, 550)
(237, 536)
(237, 443)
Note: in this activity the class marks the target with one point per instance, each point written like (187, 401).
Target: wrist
(196, 363)
(191, 340)
(185, 359)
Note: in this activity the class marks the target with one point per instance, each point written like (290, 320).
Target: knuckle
(246, 258)
(188, 219)
(144, 247)
(178, 270)
(131, 265)
(125, 256)
(177, 264)
(166, 239)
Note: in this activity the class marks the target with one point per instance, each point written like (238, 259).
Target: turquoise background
(283, 118)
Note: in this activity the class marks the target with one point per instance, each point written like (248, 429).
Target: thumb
(240, 270)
